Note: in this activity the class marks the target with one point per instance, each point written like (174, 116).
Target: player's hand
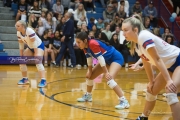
(135, 67)
(88, 74)
(108, 76)
(150, 87)
(170, 87)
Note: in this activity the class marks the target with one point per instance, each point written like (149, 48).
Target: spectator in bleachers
(66, 4)
(95, 31)
(79, 12)
(100, 24)
(176, 4)
(125, 52)
(136, 8)
(103, 37)
(117, 31)
(74, 4)
(40, 28)
(58, 8)
(22, 9)
(83, 28)
(60, 26)
(50, 22)
(103, 3)
(166, 32)
(109, 14)
(124, 3)
(147, 24)
(115, 42)
(45, 5)
(89, 4)
(48, 43)
(115, 22)
(56, 43)
(109, 2)
(35, 9)
(43, 17)
(170, 39)
(156, 31)
(91, 23)
(33, 21)
(122, 14)
(115, 4)
(151, 12)
(107, 31)
(81, 21)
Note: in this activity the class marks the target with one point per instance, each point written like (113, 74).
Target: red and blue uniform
(97, 48)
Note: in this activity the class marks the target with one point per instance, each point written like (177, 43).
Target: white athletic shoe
(124, 104)
(85, 98)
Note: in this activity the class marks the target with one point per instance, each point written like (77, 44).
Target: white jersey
(30, 33)
(168, 53)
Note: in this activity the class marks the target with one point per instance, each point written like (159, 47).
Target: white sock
(53, 62)
(45, 61)
(142, 115)
(43, 78)
(88, 93)
(122, 98)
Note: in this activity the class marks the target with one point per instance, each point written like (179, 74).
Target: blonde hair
(23, 23)
(136, 22)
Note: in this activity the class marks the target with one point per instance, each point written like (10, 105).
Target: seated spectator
(102, 36)
(35, 10)
(95, 31)
(151, 12)
(89, 4)
(116, 22)
(60, 26)
(48, 42)
(124, 3)
(91, 23)
(100, 24)
(115, 42)
(147, 24)
(170, 39)
(109, 14)
(74, 4)
(166, 32)
(79, 12)
(45, 5)
(107, 31)
(66, 4)
(136, 8)
(83, 28)
(56, 43)
(43, 17)
(121, 13)
(22, 9)
(115, 4)
(117, 31)
(40, 28)
(33, 21)
(81, 21)
(156, 31)
(50, 22)
(58, 8)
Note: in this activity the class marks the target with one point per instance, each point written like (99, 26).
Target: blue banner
(21, 59)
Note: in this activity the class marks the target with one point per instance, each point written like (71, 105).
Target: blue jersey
(97, 48)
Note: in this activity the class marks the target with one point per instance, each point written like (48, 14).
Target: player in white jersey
(35, 48)
(154, 51)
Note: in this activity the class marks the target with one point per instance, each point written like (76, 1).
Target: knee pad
(150, 97)
(111, 83)
(89, 82)
(40, 67)
(171, 98)
(23, 67)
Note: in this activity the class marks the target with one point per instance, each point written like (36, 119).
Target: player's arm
(31, 35)
(21, 47)
(102, 63)
(159, 63)
(89, 63)
(149, 71)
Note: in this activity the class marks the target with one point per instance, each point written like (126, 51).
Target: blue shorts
(116, 57)
(176, 64)
(41, 46)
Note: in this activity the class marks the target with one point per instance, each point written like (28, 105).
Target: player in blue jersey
(110, 62)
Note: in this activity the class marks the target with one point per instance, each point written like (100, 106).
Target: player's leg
(38, 53)
(159, 84)
(172, 99)
(97, 70)
(45, 57)
(52, 57)
(113, 71)
(23, 68)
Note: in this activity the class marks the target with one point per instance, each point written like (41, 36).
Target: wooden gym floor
(58, 100)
